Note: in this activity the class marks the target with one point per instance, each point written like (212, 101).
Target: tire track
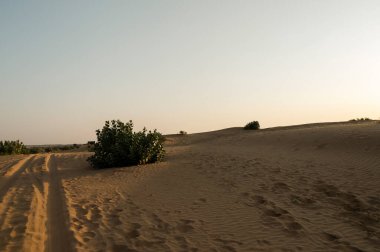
(17, 205)
(18, 168)
(33, 213)
(35, 233)
(6, 166)
(60, 238)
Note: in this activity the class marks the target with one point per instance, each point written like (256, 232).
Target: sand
(304, 188)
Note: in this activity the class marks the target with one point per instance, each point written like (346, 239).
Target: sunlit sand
(302, 188)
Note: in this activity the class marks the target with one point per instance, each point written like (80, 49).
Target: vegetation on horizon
(58, 148)
(117, 145)
(12, 147)
(17, 147)
(361, 119)
(254, 125)
(182, 132)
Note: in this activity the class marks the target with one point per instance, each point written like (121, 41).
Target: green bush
(117, 145)
(12, 147)
(254, 125)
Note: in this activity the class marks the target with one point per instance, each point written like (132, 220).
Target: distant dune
(310, 187)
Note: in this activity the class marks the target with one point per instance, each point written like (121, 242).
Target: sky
(200, 65)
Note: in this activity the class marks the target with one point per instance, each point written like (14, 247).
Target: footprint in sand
(133, 231)
(200, 201)
(185, 226)
(280, 187)
(330, 237)
(228, 244)
(253, 200)
(274, 216)
(302, 201)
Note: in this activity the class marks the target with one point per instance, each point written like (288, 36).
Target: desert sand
(301, 188)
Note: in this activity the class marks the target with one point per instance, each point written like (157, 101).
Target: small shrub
(91, 146)
(48, 149)
(360, 119)
(254, 125)
(182, 132)
(35, 150)
(118, 146)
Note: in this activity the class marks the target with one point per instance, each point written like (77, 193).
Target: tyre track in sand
(33, 214)
(16, 197)
(60, 238)
(9, 178)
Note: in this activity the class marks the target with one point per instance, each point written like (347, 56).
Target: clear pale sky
(67, 66)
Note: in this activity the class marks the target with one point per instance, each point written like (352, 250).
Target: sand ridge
(306, 188)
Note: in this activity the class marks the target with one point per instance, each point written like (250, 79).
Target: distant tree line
(361, 119)
(17, 147)
(12, 147)
(48, 149)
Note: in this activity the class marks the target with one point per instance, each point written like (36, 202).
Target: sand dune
(304, 188)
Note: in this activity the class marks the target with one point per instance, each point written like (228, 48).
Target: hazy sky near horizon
(67, 66)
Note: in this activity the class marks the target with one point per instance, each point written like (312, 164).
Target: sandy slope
(307, 188)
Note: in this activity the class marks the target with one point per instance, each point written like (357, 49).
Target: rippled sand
(302, 188)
